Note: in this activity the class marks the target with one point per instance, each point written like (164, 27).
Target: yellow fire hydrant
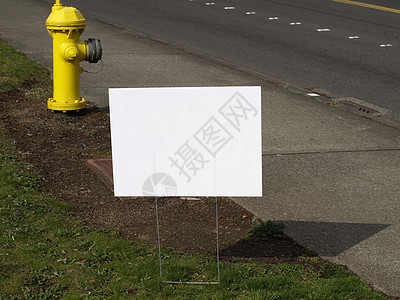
(65, 25)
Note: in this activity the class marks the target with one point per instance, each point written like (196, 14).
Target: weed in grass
(266, 230)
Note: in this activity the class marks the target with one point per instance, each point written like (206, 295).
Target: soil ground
(58, 144)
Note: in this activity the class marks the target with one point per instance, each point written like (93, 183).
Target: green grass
(16, 69)
(47, 254)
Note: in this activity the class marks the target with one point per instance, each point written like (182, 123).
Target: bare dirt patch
(58, 145)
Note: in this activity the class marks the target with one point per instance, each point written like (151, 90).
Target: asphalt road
(336, 48)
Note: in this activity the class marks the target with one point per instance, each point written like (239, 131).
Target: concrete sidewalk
(332, 176)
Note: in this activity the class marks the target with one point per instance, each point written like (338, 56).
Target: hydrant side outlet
(95, 50)
(66, 25)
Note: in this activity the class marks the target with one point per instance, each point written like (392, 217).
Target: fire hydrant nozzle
(65, 25)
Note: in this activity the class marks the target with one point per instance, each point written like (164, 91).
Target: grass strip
(17, 69)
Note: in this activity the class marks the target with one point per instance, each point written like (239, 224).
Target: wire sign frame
(217, 251)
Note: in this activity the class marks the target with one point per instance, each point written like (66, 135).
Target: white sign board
(203, 141)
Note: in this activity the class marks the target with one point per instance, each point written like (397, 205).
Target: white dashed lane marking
(274, 18)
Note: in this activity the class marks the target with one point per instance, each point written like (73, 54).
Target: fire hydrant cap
(63, 16)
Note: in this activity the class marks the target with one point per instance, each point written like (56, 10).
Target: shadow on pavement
(331, 238)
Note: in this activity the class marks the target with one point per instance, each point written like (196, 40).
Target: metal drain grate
(359, 108)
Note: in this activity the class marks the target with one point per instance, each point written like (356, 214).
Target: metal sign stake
(217, 246)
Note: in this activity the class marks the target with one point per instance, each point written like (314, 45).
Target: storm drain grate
(359, 108)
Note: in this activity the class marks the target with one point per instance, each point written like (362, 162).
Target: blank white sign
(201, 141)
